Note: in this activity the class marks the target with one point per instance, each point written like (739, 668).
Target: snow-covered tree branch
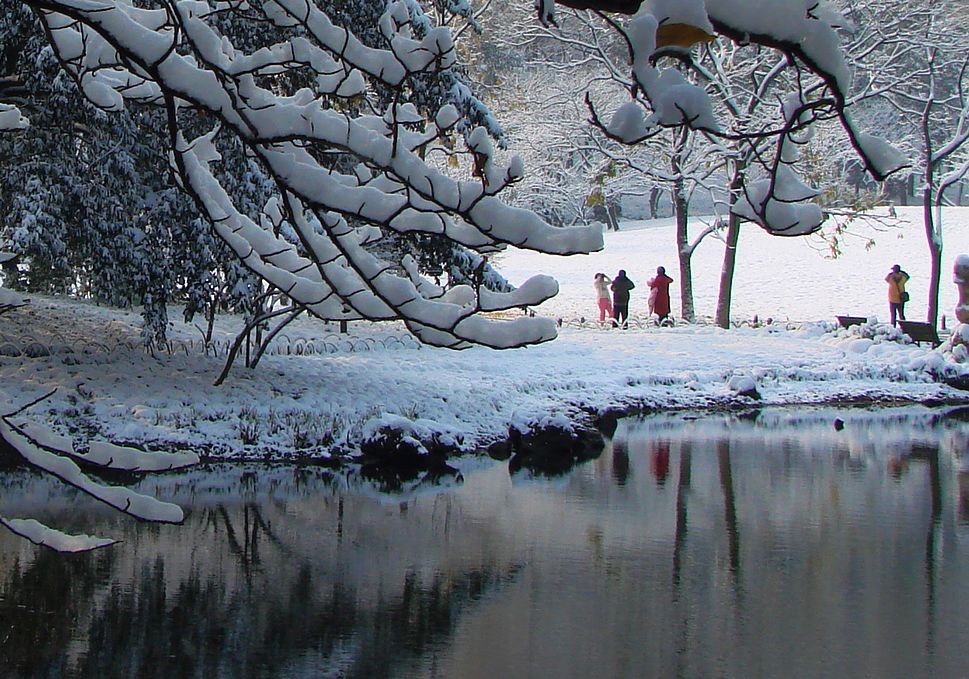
(47, 451)
(344, 164)
(803, 32)
(11, 118)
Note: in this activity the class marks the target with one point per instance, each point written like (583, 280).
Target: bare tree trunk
(935, 249)
(612, 215)
(654, 194)
(297, 309)
(725, 294)
(928, 220)
(210, 322)
(681, 210)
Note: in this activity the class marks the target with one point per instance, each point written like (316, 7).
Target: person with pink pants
(603, 296)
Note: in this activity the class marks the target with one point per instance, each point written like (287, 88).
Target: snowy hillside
(781, 278)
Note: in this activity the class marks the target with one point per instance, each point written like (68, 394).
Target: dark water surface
(767, 545)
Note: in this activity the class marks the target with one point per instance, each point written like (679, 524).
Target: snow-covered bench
(921, 332)
(848, 321)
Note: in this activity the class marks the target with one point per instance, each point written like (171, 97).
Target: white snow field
(776, 277)
(107, 387)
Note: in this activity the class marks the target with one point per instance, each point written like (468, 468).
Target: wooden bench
(848, 321)
(920, 332)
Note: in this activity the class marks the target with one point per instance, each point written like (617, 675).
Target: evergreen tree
(87, 200)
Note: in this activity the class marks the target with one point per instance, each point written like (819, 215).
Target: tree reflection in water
(255, 606)
(41, 603)
(313, 627)
(760, 546)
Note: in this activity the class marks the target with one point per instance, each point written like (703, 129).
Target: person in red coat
(659, 294)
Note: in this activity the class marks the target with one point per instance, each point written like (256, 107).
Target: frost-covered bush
(88, 203)
(957, 346)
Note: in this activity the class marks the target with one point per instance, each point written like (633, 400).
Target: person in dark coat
(659, 294)
(620, 298)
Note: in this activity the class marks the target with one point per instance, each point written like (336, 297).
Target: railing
(27, 346)
(644, 324)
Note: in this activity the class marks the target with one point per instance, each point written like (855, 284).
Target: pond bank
(554, 447)
(325, 408)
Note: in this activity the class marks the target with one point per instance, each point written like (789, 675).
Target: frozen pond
(770, 544)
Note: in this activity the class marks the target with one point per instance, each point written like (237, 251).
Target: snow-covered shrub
(957, 345)
(743, 384)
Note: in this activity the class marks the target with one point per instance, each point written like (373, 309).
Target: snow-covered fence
(583, 323)
(335, 344)
(27, 346)
(283, 345)
(640, 323)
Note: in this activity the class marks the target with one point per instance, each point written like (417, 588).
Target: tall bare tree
(913, 56)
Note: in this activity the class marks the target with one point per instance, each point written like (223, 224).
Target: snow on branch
(348, 164)
(10, 300)
(29, 444)
(42, 448)
(41, 535)
(804, 31)
(11, 118)
(678, 95)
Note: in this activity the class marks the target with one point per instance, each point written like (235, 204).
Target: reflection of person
(620, 298)
(897, 466)
(659, 294)
(659, 460)
(620, 462)
(603, 298)
(897, 296)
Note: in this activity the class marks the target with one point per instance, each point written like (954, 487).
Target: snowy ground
(780, 278)
(307, 404)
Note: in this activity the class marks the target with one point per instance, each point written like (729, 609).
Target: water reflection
(770, 545)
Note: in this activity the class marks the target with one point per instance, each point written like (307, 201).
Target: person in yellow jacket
(897, 296)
